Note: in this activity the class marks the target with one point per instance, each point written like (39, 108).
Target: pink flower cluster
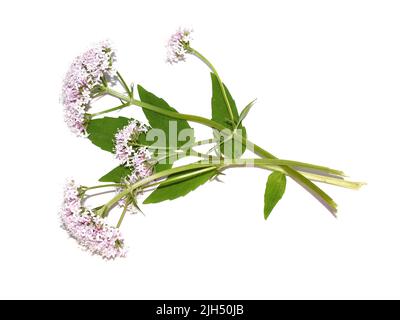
(136, 157)
(83, 76)
(177, 45)
(90, 230)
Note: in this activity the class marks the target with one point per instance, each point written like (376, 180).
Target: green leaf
(219, 109)
(179, 185)
(221, 115)
(170, 126)
(116, 174)
(274, 191)
(102, 131)
(246, 111)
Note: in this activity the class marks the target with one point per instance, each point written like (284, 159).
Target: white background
(327, 78)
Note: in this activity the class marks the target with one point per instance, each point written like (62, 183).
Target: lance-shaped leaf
(177, 132)
(102, 131)
(274, 191)
(179, 185)
(116, 175)
(246, 111)
(220, 114)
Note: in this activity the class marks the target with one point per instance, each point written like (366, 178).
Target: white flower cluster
(135, 157)
(90, 230)
(82, 77)
(177, 45)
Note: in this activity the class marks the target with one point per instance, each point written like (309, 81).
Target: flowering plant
(146, 153)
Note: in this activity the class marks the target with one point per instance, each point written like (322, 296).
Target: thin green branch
(179, 178)
(122, 106)
(339, 182)
(103, 186)
(197, 143)
(117, 94)
(122, 81)
(121, 218)
(221, 85)
(103, 211)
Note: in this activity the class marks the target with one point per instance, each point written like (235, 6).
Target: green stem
(181, 177)
(176, 115)
(281, 162)
(179, 154)
(318, 193)
(197, 143)
(313, 176)
(296, 176)
(215, 165)
(122, 81)
(221, 85)
(103, 186)
(307, 184)
(121, 218)
(168, 113)
(122, 106)
(117, 94)
(159, 175)
(336, 181)
(97, 95)
(104, 81)
(300, 179)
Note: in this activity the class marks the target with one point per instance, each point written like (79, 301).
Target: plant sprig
(148, 153)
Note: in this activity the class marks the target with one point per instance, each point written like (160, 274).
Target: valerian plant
(145, 153)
